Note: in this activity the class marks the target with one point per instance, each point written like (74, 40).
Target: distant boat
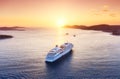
(57, 52)
(74, 35)
(66, 33)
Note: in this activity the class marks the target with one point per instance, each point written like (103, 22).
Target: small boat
(57, 52)
(66, 33)
(74, 35)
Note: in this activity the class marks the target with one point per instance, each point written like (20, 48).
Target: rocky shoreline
(5, 36)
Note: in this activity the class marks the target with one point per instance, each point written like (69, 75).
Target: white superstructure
(58, 52)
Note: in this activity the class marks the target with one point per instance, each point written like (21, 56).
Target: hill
(114, 29)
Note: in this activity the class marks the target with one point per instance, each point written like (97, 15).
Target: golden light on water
(60, 39)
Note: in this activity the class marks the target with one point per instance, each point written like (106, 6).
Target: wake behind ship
(57, 52)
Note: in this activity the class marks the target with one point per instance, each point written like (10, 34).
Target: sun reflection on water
(60, 38)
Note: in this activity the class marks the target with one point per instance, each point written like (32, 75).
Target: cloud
(106, 10)
(112, 14)
(96, 14)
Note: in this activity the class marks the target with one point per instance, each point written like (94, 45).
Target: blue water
(96, 55)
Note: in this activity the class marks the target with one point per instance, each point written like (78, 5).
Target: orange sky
(47, 12)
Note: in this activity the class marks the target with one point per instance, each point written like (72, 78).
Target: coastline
(113, 29)
(5, 36)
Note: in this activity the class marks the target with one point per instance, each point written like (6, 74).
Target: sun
(61, 22)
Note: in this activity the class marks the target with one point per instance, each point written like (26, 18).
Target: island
(13, 28)
(113, 29)
(5, 36)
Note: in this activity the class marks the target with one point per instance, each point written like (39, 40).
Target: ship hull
(66, 51)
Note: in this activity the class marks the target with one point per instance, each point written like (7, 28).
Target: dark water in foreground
(96, 55)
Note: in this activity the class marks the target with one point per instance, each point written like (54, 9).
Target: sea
(95, 55)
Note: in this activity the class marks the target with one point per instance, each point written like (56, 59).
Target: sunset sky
(48, 12)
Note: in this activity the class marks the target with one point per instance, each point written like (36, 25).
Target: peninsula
(113, 29)
(14, 28)
(5, 36)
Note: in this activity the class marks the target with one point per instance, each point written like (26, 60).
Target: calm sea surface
(96, 55)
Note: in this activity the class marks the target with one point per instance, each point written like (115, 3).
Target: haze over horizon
(48, 12)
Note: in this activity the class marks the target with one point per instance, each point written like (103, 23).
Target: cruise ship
(57, 52)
